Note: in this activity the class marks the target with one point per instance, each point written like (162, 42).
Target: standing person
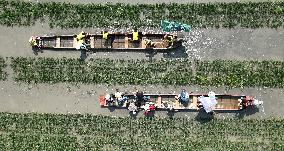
(81, 44)
(135, 38)
(133, 108)
(106, 39)
(34, 42)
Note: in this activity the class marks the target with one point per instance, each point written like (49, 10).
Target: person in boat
(132, 108)
(184, 97)
(135, 38)
(164, 105)
(149, 43)
(81, 44)
(168, 106)
(107, 40)
(169, 40)
(120, 97)
(81, 40)
(199, 106)
(34, 42)
(109, 99)
(139, 98)
(148, 107)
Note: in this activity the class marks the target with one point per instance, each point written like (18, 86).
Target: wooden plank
(193, 105)
(159, 101)
(126, 42)
(74, 42)
(57, 42)
(142, 42)
(177, 106)
(92, 42)
(97, 42)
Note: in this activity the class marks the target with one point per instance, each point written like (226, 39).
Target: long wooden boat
(225, 102)
(118, 42)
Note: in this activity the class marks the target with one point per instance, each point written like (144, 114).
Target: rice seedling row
(88, 132)
(143, 72)
(204, 15)
(3, 74)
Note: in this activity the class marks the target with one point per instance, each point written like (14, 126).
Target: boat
(117, 41)
(209, 102)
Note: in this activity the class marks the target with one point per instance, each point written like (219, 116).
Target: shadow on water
(150, 114)
(204, 117)
(171, 114)
(133, 116)
(150, 55)
(176, 53)
(111, 109)
(247, 112)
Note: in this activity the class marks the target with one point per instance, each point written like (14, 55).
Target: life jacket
(105, 35)
(81, 38)
(135, 35)
(33, 41)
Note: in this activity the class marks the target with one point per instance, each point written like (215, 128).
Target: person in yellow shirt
(35, 43)
(81, 44)
(135, 38)
(106, 39)
(81, 38)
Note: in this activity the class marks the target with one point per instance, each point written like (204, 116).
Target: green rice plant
(3, 74)
(203, 15)
(216, 73)
(35, 131)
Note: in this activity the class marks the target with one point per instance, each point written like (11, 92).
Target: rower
(135, 38)
(81, 44)
(149, 43)
(133, 108)
(109, 99)
(139, 96)
(184, 97)
(169, 39)
(120, 97)
(106, 39)
(81, 41)
(34, 42)
(148, 107)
